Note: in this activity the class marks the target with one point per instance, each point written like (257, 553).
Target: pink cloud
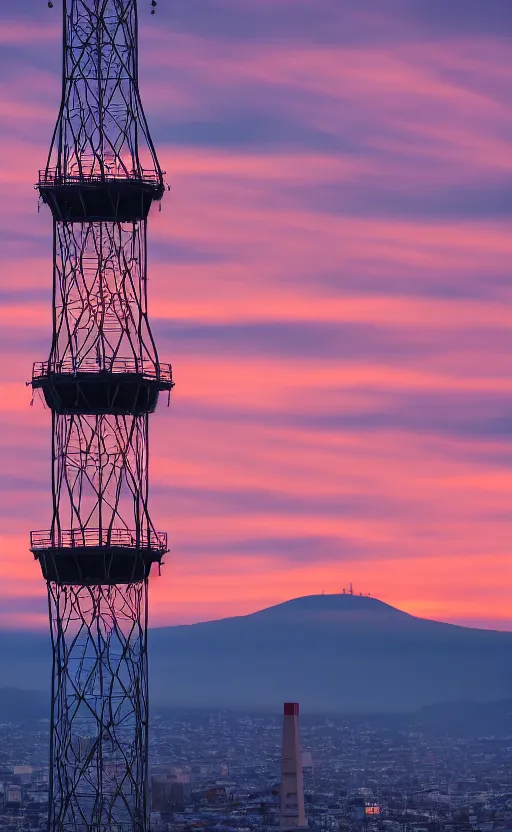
(336, 441)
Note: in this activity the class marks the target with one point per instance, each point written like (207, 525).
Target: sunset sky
(330, 277)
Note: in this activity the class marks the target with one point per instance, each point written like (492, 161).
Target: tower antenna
(101, 381)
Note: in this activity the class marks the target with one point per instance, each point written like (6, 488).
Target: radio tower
(101, 381)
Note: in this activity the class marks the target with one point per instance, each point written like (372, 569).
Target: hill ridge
(314, 602)
(333, 653)
(324, 603)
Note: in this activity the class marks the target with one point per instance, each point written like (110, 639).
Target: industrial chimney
(292, 815)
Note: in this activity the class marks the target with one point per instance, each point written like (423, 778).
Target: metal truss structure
(102, 380)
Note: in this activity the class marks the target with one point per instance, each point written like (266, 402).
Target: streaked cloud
(330, 276)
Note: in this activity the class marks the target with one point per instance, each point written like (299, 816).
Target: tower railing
(98, 538)
(144, 367)
(50, 177)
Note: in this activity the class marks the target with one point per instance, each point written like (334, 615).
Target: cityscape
(215, 771)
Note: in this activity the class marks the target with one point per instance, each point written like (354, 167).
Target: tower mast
(101, 381)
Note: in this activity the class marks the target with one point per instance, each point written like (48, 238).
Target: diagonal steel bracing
(101, 380)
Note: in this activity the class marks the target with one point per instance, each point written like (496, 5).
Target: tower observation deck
(101, 381)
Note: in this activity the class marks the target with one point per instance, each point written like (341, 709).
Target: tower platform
(91, 556)
(127, 387)
(99, 198)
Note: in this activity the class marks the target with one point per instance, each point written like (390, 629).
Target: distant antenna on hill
(351, 592)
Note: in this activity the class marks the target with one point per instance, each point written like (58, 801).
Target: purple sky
(330, 277)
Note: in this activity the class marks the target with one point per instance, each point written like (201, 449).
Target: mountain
(19, 705)
(333, 653)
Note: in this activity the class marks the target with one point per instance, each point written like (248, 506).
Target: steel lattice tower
(101, 381)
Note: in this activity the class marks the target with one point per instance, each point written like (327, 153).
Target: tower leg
(99, 708)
